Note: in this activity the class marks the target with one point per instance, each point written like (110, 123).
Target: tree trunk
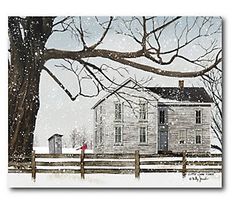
(26, 61)
(23, 108)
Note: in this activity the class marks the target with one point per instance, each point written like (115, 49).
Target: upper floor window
(96, 115)
(101, 114)
(143, 110)
(198, 116)
(118, 134)
(118, 111)
(143, 134)
(162, 116)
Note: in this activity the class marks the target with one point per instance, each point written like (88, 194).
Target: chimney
(181, 85)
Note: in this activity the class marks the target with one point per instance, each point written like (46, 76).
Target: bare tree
(213, 84)
(74, 138)
(28, 54)
(79, 137)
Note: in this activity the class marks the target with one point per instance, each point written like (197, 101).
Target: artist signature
(199, 177)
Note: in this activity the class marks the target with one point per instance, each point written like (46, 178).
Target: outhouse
(55, 144)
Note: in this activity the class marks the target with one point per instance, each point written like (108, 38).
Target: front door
(163, 141)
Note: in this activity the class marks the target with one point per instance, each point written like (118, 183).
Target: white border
(125, 198)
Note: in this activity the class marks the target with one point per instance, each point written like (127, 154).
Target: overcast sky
(58, 114)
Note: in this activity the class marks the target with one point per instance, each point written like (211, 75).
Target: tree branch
(120, 57)
(163, 26)
(61, 21)
(213, 146)
(150, 44)
(169, 73)
(60, 84)
(103, 36)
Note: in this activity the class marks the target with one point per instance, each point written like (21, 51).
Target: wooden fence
(135, 163)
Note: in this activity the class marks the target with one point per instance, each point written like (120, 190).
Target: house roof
(119, 87)
(190, 94)
(54, 136)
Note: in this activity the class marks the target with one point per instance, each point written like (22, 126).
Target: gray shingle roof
(192, 94)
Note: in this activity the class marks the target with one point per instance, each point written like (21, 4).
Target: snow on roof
(189, 94)
(59, 135)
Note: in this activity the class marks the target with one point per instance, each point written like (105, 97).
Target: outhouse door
(163, 141)
(58, 146)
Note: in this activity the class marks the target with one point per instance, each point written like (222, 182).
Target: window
(198, 117)
(101, 114)
(182, 136)
(118, 135)
(198, 139)
(96, 115)
(162, 117)
(118, 130)
(101, 134)
(198, 136)
(143, 110)
(118, 111)
(96, 136)
(143, 134)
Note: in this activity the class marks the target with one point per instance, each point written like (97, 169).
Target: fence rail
(135, 163)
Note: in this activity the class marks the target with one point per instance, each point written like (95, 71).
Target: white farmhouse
(153, 119)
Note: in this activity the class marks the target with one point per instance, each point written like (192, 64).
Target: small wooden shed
(55, 144)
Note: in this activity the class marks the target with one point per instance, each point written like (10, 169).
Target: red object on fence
(84, 147)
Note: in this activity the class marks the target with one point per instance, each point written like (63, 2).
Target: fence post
(82, 164)
(33, 165)
(184, 163)
(137, 164)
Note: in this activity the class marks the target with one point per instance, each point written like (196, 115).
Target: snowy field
(154, 180)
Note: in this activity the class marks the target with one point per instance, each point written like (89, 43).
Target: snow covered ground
(156, 180)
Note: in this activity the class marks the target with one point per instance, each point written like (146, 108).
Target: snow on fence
(136, 163)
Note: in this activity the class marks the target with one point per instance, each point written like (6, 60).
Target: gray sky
(58, 114)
